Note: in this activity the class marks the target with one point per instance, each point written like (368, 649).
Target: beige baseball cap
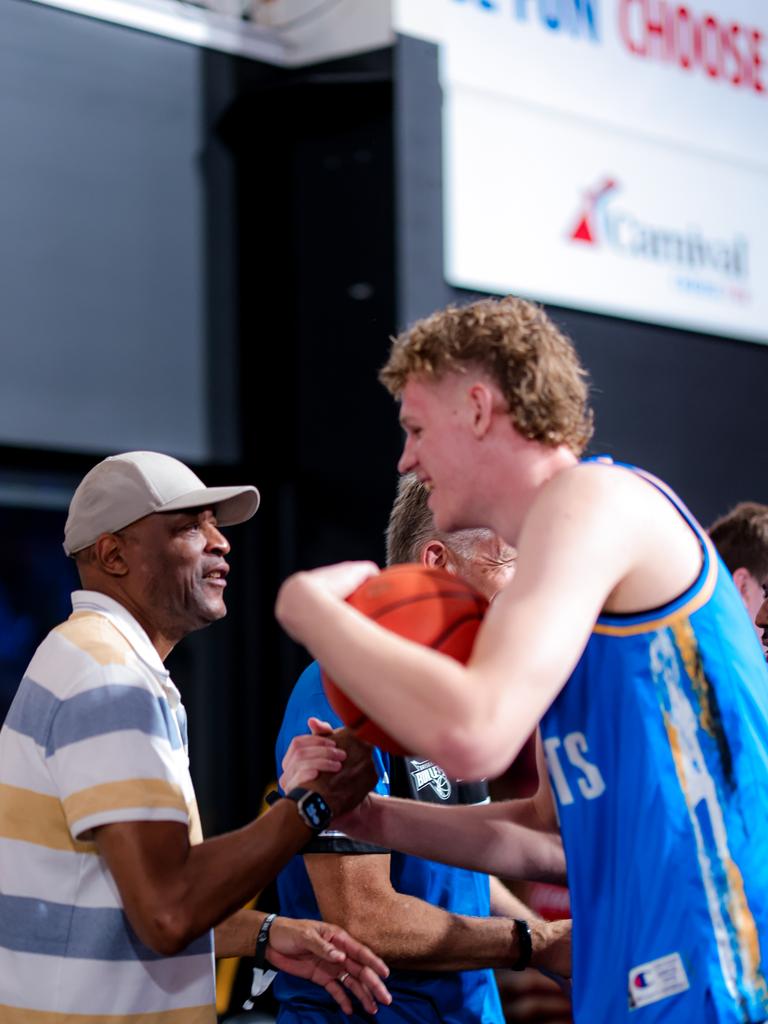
(127, 487)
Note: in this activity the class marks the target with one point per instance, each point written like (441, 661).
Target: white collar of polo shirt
(134, 633)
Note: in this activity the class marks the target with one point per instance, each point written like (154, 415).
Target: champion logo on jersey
(425, 773)
(656, 980)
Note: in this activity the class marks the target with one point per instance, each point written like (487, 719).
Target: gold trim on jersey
(696, 601)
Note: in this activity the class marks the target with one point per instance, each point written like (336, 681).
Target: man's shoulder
(83, 653)
(600, 476)
(96, 637)
(308, 698)
(599, 498)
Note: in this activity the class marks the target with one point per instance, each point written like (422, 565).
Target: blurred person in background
(741, 539)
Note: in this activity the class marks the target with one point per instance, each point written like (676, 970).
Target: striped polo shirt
(95, 735)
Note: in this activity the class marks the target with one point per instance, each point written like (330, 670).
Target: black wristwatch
(312, 808)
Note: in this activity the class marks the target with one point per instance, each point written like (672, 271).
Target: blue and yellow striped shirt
(96, 735)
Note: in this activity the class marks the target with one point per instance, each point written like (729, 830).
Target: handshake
(335, 764)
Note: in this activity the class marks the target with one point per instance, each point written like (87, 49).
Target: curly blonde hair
(521, 350)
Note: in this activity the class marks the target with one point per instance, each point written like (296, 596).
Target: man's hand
(345, 788)
(330, 957)
(552, 947)
(308, 756)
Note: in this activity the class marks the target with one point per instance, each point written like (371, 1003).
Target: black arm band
(525, 945)
(262, 941)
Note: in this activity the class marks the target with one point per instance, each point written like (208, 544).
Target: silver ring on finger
(343, 977)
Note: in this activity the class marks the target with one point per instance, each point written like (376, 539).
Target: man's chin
(218, 611)
(211, 612)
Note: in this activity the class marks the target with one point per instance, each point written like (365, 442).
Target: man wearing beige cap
(107, 892)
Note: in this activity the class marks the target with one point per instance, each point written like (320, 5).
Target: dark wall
(312, 152)
(103, 257)
(197, 257)
(688, 407)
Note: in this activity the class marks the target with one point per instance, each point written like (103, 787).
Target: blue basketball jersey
(657, 751)
(419, 997)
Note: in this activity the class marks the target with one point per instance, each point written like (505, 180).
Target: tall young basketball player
(621, 633)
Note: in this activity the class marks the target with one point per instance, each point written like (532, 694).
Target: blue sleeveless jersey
(657, 751)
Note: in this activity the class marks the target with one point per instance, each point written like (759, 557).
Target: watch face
(315, 810)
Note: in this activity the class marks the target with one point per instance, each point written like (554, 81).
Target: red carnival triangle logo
(586, 228)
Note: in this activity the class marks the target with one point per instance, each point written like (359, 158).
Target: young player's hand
(328, 956)
(343, 578)
(344, 789)
(308, 756)
(300, 592)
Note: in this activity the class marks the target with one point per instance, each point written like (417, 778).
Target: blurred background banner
(602, 154)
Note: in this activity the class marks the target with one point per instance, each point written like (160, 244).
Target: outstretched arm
(173, 892)
(503, 839)
(512, 838)
(355, 891)
(595, 537)
(315, 950)
(473, 719)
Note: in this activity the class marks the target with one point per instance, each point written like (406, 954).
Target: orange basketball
(429, 606)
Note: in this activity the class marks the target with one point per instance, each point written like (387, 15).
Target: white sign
(287, 33)
(610, 155)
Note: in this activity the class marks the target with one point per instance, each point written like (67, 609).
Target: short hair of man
(516, 344)
(741, 538)
(411, 525)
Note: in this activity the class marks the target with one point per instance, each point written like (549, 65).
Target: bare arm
(356, 892)
(513, 838)
(595, 536)
(236, 935)
(504, 839)
(574, 550)
(296, 946)
(173, 892)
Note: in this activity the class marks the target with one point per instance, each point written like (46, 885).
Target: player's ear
(482, 401)
(434, 555)
(741, 579)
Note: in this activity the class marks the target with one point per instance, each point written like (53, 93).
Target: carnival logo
(601, 222)
(586, 228)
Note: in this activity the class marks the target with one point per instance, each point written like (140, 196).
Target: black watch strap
(262, 941)
(524, 945)
(312, 808)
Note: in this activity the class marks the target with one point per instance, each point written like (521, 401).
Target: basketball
(431, 607)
